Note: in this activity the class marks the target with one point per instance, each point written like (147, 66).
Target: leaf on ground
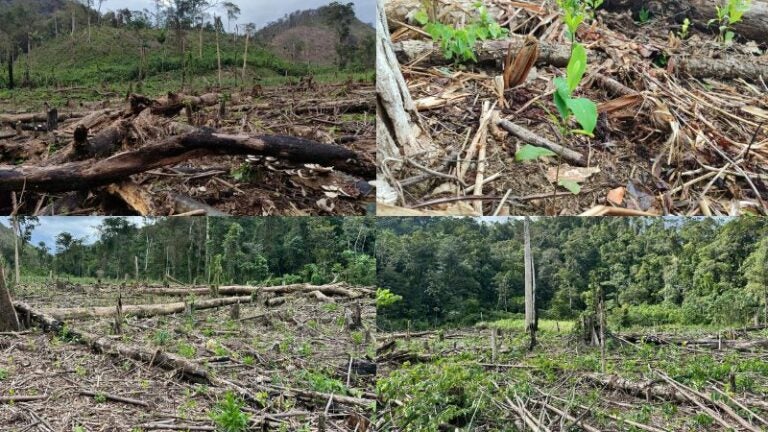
(571, 185)
(529, 152)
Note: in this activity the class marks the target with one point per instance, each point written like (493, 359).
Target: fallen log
(22, 398)
(12, 119)
(88, 174)
(162, 359)
(172, 104)
(143, 311)
(331, 290)
(711, 343)
(731, 67)
(644, 389)
(347, 106)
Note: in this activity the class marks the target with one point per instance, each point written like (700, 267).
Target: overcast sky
(260, 12)
(82, 227)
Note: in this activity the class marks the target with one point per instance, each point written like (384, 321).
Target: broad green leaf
(562, 94)
(571, 185)
(529, 152)
(585, 112)
(576, 66)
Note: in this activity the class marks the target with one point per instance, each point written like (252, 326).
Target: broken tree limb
(642, 389)
(146, 310)
(172, 104)
(529, 137)
(88, 174)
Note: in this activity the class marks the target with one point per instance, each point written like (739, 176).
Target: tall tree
(233, 11)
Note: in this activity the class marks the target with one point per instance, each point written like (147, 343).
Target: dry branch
(527, 136)
(87, 174)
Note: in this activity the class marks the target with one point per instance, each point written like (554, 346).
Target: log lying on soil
(753, 26)
(182, 366)
(490, 50)
(12, 119)
(89, 174)
(732, 66)
(173, 103)
(330, 290)
(347, 106)
(145, 310)
(738, 345)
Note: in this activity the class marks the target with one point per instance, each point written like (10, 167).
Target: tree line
(210, 250)
(650, 271)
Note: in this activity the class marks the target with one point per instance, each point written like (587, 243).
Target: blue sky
(79, 226)
(259, 12)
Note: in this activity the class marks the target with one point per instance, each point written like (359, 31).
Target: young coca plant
(568, 107)
(731, 12)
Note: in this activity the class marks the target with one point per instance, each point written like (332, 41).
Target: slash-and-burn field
(652, 380)
(293, 357)
(680, 124)
(304, 148)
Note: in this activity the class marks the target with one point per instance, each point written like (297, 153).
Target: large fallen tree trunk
(738, 345)
(753, 26)
(12, 119)
(182, 366)
(88, 174)
(733, 66)
(645, 389)
(332, 290)
(146, 310)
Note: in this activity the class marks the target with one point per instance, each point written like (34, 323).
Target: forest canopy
(654, 271)
(269, 250)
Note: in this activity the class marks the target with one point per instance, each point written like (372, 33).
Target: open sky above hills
(260, 12)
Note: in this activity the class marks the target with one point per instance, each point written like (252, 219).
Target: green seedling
(644, 15)
(583, 109)
(458, 44)
(730, 13)
(574, 13)
(228, 414)
(684, 29)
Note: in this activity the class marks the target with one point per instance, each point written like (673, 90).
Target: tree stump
(9, 321)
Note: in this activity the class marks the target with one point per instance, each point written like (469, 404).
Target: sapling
(731, 12)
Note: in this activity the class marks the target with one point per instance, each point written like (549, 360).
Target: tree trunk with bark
(531, 322)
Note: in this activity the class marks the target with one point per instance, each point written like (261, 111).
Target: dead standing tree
(531, 322)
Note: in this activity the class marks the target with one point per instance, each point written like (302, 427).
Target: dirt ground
(274, 353)
(681, 130)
